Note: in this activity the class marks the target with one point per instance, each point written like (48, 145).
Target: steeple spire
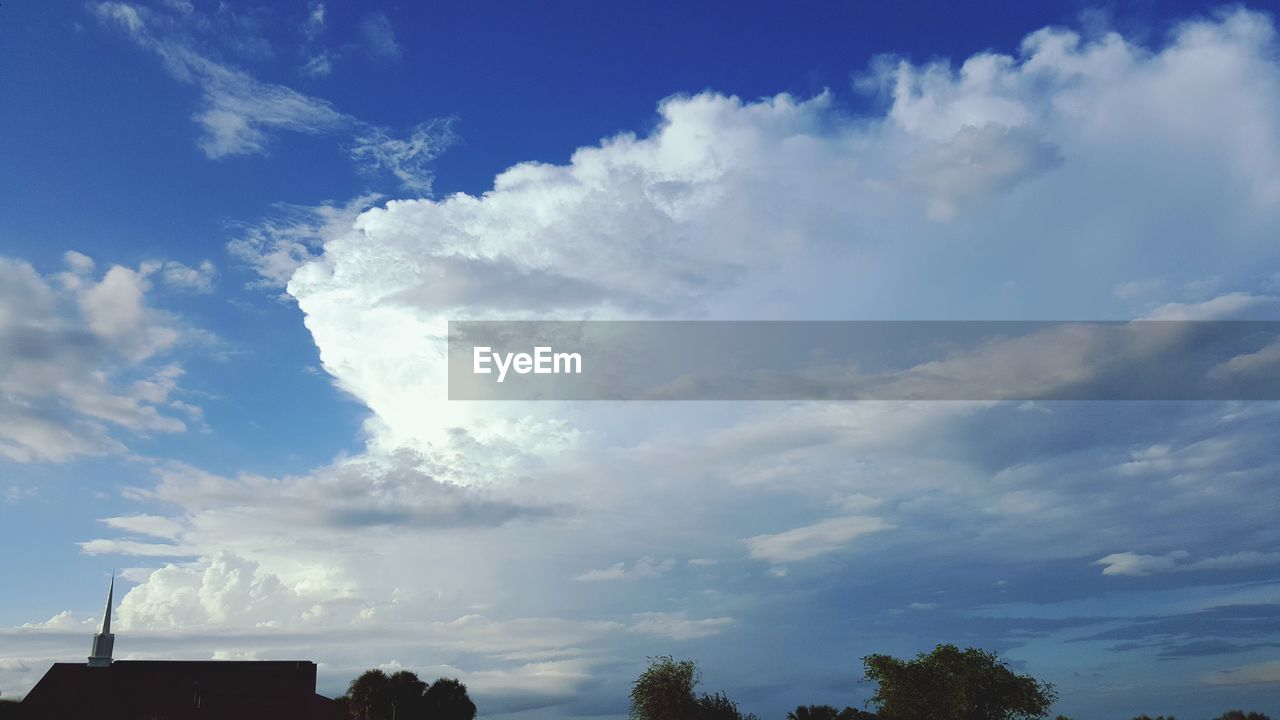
(104, 641)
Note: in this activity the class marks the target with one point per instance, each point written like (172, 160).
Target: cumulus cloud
(177, 276)
(81, 358)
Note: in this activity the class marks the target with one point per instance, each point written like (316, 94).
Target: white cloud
(1128, 563)
(408, 159)
(1231, 306)
(319, 65)
(153, 525)
(315, 22)
(678, 626)
(177, 276)
(378, 35)
(134, 548)
(64, 620)
(645, 567)
(240, 113)
(238, 110)
(276, 248)
(810, 541)
(78, 358)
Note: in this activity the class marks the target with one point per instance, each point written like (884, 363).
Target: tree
(814, 712)
(664, 691)
(404, 693)
(447, 699)
(1242, 715)
(828, 712)
(370, 697)
(954, 684)
(404, 696)
(718, 707)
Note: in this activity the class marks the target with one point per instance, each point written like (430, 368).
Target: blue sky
(233, 235)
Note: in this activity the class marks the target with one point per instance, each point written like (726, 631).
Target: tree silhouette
(954, 684)
(828, 712)
(664, 691)
(718, 707)
(404, 692)
(370, 697)
(447, 699)
(404, 696)
(1242, 715)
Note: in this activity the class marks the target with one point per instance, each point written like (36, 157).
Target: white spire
(104, 641)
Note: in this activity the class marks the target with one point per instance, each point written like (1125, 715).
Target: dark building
(103, 689)
(146, 689)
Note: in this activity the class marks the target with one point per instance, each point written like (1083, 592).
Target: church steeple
(104, 641)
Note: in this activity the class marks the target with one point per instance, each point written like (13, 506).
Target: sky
(234, 234)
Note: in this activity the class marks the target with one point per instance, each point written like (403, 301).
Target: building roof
(178, 690)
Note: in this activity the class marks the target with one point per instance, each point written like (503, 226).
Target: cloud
(978, 162)
(238, 111)
(1128, 563)
(1231, 306)
(153, 525)
(1061, 167)
(378, 35)
(645, 567)
(1263, 673)
(82, 357)
(677, 626)
(320, 65)
(351, 495)
(408, 159)
(810, 541)
(277, 247)
(176, 276)
(315, 22)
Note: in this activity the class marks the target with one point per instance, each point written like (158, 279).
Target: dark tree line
(945, 684)
(1228, 715)
(376, 695)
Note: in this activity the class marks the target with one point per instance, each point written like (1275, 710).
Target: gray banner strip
(864, 360)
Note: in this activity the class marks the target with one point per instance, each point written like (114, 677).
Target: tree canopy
(403, 696)
(828, 712)
(665, 691)
(953, 684)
